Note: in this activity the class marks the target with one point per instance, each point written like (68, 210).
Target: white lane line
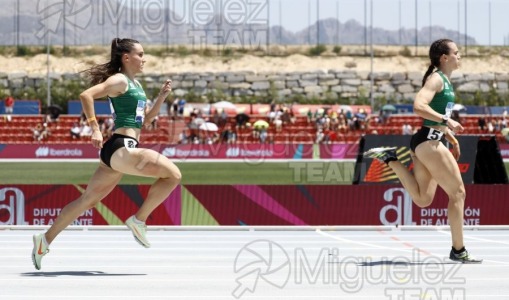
(406, 250)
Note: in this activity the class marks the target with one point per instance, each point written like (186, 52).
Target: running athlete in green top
(433, 163)
(120, 154)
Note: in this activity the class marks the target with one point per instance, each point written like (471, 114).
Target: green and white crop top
(440, 100)
(128, 109)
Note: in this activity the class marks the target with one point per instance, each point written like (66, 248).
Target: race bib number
(140, 112)
(434, 134)
(130, 144)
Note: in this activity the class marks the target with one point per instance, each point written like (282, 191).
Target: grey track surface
(326, 263)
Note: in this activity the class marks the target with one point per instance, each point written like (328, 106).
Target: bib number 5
(434, 134)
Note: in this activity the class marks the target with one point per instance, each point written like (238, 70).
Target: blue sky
(295, 16)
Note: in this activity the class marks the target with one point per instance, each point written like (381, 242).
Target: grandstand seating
(19, 130)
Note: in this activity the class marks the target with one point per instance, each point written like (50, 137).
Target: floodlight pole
(372, 77)
(48, 80)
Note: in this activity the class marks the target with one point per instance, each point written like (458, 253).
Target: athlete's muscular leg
(148, 163)
(420, 185)
(100, 185)
(444, 169)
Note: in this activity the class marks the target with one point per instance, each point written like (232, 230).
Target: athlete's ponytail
(99, 73)
(428, 72)
(436, 50)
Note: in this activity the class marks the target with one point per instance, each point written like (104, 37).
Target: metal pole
(280, 24)
(372, 77)
(309, 22)
(430, 24)
(268, 27)
(365, 27)
(400, 29)
(489, 22)
(317, 22)
(167, 26)
(17, 23)
(48, 80)
(459, 26)
(63, 28)
(416, 30)
(337, 22)
(466, 31)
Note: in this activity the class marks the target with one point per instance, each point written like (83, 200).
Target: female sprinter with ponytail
(120, 154)
(434, 164)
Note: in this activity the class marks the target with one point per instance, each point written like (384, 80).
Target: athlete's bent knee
(423, 202)
(172, 174)
(458, 196)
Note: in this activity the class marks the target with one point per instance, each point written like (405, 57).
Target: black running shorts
(116, 142)
(426, 134)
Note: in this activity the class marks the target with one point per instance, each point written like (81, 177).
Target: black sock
(458, 251)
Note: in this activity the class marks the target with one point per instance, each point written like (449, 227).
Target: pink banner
(238, 151)
(56, 151)
(214, 151)
(342, 205)
(41, 204)
(256, 205)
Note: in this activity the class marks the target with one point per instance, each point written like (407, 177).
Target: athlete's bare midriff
(442, 128)
(132, 132)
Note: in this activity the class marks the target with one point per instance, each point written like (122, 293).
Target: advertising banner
(199, 151)
(41, 204)
(373, 171)
(238, 151)
(48, 151)
(335, 205)
(255, 205)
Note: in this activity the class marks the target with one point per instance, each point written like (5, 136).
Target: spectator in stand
(223, 118)
(241, 120)
(53, 114)
(481, 122)
(286, 116)
(41, 132)
(342, 123)
(36, 132)
(260, 128)
(358, 120)
(75, 131)
(184, 136)
(310, 116)
(490, 127)
(384, 116)
(86, 130)
(263, 135)
(278, 123)
(175, 108)
(407, 129)
(181, 105)
(110, 126)
(334, 120)
(228, 136)
(9, 107)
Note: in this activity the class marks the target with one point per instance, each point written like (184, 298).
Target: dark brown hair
(436, 50)
(99, 73)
